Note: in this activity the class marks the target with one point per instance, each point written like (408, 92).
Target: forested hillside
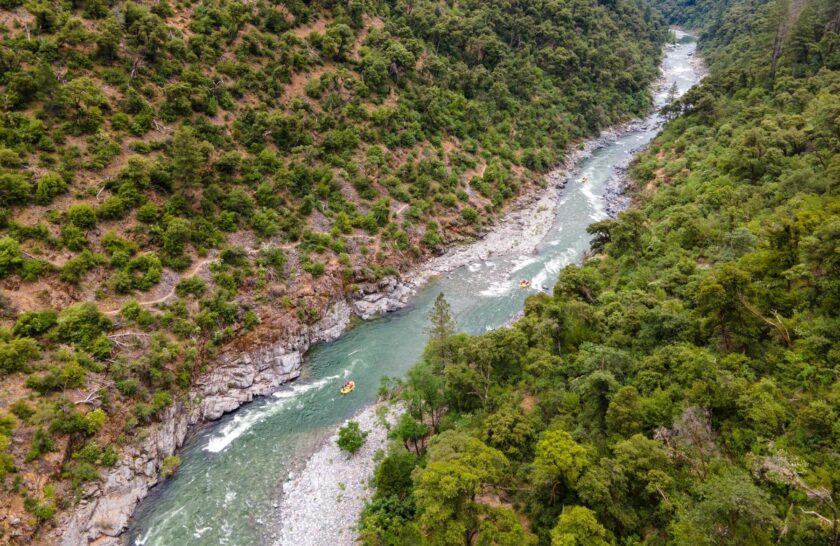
(682, 386)
(174, 174)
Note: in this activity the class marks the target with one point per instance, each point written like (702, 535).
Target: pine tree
(441, 323)
(441, 326)
(673, 93)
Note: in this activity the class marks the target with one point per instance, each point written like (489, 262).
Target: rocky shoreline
(333, 485)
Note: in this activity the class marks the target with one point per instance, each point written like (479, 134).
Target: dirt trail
(191, 272)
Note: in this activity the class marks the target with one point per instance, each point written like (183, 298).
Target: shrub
(94, 421)
(49, 186)
(432, 238)
(74, 269)
(148, 213)
(42, 511)
(192, 286)
(272, 257)
(351, 437)
(35, 323)
(15, 354)
(15, 189)
(42, 443)
(22, 410)
(81, 323)
(469, 214)
(82, 216)
(316, 269)
(10, 256)
(112, 208)
(68, 376)
(128, 387)
(73, 238)
(170, 465)
(141, 273)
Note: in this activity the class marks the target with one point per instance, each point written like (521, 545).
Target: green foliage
(681, 385)
(578, 526)
(49, 186)
(351, 437)
(15, 354)
(35, 323)
(82, 216)
(10, 256)
(81, 323)
(170, 465)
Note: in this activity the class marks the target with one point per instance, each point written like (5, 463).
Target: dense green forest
(682, 385)
(178, 176)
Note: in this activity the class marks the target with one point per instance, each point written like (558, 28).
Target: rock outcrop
(375, 299)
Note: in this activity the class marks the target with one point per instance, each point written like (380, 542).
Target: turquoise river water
(225, 492)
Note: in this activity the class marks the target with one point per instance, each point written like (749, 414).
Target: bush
(170, 465)
(190, 286)
(42, 443)
(351, 437)
(432, 238)
(42, 511)
(49, 186)
(74, 269)
(148, 213)
(10, 256)
(141, 273)
(35, 323)
(128, 387)
(15, 189)
(15, 354)
(81, 323)
(94, 421)
(73, 238)
(68, 376)
(82, 216)
(22, 410)
(469, 214)
(316, 269)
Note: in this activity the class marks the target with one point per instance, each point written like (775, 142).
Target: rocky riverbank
(333, 485)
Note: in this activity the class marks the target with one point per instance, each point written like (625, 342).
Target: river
(225, 492)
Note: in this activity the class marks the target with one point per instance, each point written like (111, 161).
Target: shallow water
(225, 492)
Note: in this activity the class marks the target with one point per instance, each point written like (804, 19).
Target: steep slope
(180, 179)
(681, 386)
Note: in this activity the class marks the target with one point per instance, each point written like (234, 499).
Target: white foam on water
(499, 288)
(141, 541)
(596, 202)
(474, 267)
(300, 388)
(242, 422)
(552, 268)
(353, 363)
(198, 532)
(523, 262)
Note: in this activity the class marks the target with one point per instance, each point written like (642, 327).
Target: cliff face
(238, 377)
